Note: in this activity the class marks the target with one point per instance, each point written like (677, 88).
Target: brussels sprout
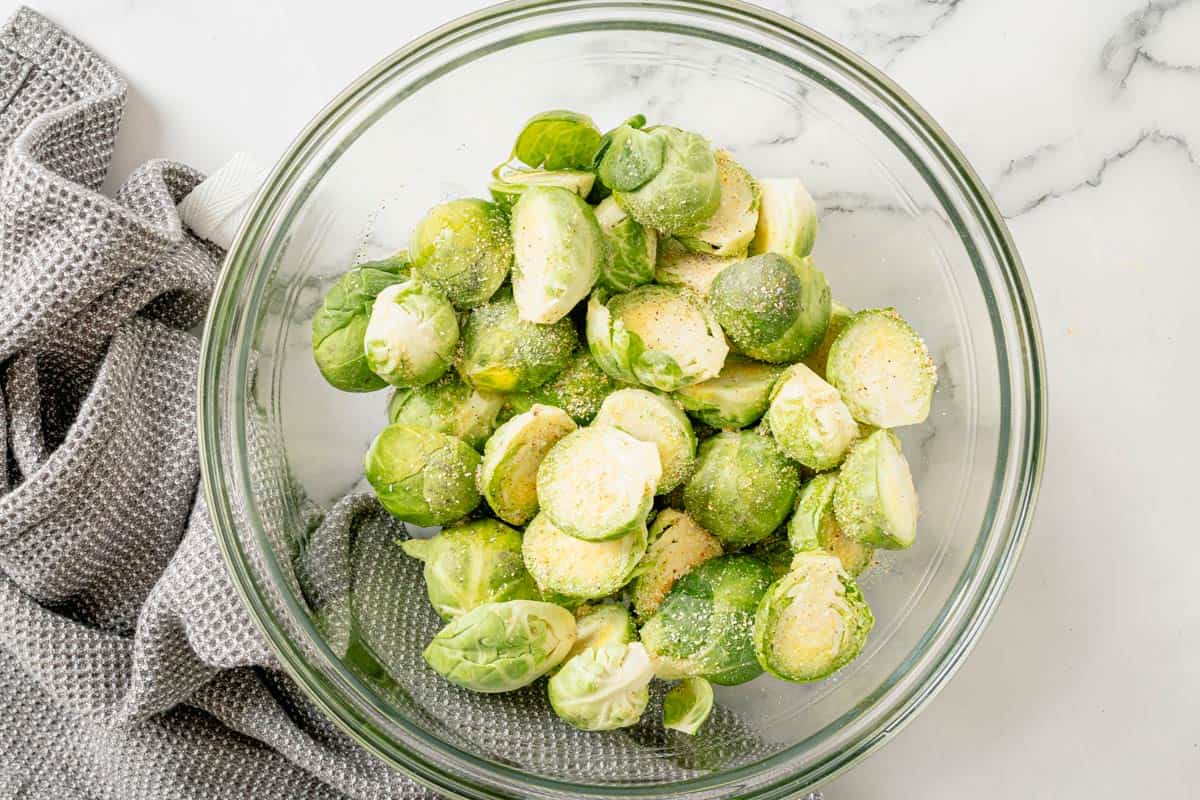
(464, 249)
(632, 249)
(499, 647)
(743, 487)
(731, 227)
(599, 483)
(508, 474)
(839, 315)
(678, 266)
(422, 476)
(811, 622)
(881, 367)
(509, 186)
(809, 420)
(787, 218)
(629, 157)
(602, 624)
(814, 527)
(412, 335)
(448, 405)
(579, 389)
(775, 552)
(559, 251)
(703, 627)
(677, 545)
(682, 194)
(578, 568)
(656, 419)
(875, 501)
(656, 335)
(772, 307)
(340, 324)
(472, 564)
(558, 140)
(737, 397)
(503, 353)
(687, 705)
(603, 688)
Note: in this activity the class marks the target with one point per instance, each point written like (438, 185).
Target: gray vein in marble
(1126, 49)
(881, 30)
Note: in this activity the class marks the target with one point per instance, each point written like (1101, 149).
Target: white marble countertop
(1083, 116)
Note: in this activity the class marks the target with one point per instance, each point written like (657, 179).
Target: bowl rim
(420, 759)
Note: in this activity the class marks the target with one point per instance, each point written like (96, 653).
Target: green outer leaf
(421, 476)
(684, 193)
(687, 706)
(463, 247)
(557, 140)
(631, 159)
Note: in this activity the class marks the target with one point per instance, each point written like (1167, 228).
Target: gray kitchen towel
(128, 667)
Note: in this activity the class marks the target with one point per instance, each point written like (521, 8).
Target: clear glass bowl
(904, 222)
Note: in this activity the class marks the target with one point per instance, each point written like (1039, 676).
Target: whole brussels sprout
(736, 398)
(464, 249)
(731, 227)
(676, 265)
(657, 419)
(773, 308)
(599, 483)
(422, 476)
(508, 474)
(509, 186)
(340, 324)
(809, 420)
(448, 405)
(677, 545)
(503, 353)
(603, 688)
(875, 501)
(687, 705)
(499, 647)
(743, 487)
(578, 568)
(632, 249)
(681, 195)
(839, 315)
(558, 140)
(472, 564)
(659, 336)
(811, 622)
(412, 335)
(814, 527)
(787, 218)
(602, 624)
(559, 251)
(883, 370)
(579, 389)
(703, 628)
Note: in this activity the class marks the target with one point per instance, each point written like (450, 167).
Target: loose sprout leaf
(631, 159)
(687, 706)
(556, 140)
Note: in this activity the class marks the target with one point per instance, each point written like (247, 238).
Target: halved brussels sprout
(632, 249)
(743, 487)
(677, 545)
(731, 227)
(883, 370)
(811, 622)
(660, 336)
(814, 527)
(875, 501)
(558, 140)
(579, 568)
(411, 336)
(508, 474)
(579, 389)
(464, 249)
(657, 419)
(676, 265)
(499, 647)
(340, 324)
(703, 628)
(503, 353)
(603, 688)
(509, 186)
(599, 483)
(687, 705)
(422, 476)
(681, 195)
(736, 398)
(839, 315)
(472, 564)
(773, 308)
(602, 624)
(809, 420)
(787, 218)
(448, 405)
(559, 251)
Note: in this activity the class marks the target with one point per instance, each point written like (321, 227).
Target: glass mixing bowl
(904, 222)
